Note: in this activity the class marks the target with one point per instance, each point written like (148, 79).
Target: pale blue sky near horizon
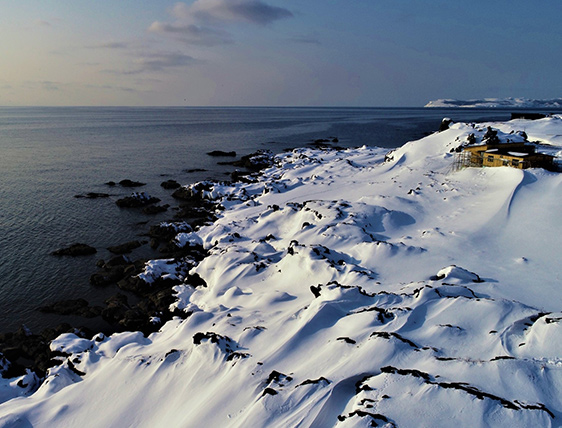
(277, 53)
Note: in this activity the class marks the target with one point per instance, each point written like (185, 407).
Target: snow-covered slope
(497, 102)
(345, 290)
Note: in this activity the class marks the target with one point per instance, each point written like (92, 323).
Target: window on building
(515, 162)
(491, 159)
(505, 162)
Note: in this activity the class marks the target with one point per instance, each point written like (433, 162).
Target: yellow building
(516, 155)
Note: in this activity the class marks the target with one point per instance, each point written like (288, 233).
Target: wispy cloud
(310, 40)
(192, 34)
(201, 23)
(250, 11)
(160, 61)
(156, 61)
(42, 23)
(110, 45)
(46, 85)
(111, 88)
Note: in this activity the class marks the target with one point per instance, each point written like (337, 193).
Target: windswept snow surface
(497, 102)
(349, 291)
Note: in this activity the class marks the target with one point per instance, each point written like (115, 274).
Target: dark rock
(78, 307)
(256, 161)
(314, 381)
(190, 171)
(75, 250)
(93, 195)
(406, 372)
(108, 276)
(170, 184)
(117, 261)
(529, 116)
(194, 192)
(111, 183)
(491, 136)
(126, 247)
(136, 200)
(117, 307)
(130, 183)
(217, 153)
(315, 290)
(445, 123)
(167, 231)
(269, 391)
(241, 176)
(155, 209)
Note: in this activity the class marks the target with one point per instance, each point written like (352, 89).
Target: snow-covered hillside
(497, 102)
(350, 289)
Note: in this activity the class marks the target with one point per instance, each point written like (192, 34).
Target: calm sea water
(48, 155)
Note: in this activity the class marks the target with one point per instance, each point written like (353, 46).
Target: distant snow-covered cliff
(497, 103)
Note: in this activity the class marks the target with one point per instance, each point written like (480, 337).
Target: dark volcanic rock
(125, 248)
(445, 123)
(93, 195)
(155, 209)
(170, 184)
(221, 153)
(130, 183)
(75, 250)
(78, 307)
(25, 350)
(256, 161)
(193, 192)
(136, 200)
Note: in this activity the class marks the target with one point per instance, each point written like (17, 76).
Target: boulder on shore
(217, 153)
(75, 250)
(92, 195)
(155, 209)
(131, 183)
(79, 307)
(170, 184)
(125, 248)
(136, 200)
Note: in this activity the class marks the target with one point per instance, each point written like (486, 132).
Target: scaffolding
(465, 159)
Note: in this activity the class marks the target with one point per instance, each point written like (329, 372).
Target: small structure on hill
(492, 153)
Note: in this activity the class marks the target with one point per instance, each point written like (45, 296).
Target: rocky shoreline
(24, 352)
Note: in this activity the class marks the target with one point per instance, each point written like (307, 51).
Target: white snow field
(344, 290)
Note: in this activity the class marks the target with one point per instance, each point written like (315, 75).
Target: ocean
(50, 154)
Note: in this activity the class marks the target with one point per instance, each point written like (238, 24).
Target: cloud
(111, 45)
(156, 61)
(50, 86)
(192, 34)
(110, 88)
(310, 40)
(46, 85)
(251, 11)
(160, 61)
(201, 23)
(41, 23)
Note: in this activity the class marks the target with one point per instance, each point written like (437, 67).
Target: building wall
(492, 159)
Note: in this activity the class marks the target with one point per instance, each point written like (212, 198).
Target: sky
(277, 53)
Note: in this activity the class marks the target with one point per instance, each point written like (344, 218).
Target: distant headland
(497, 103)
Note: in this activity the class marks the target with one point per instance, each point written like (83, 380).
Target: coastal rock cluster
(338, 288)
